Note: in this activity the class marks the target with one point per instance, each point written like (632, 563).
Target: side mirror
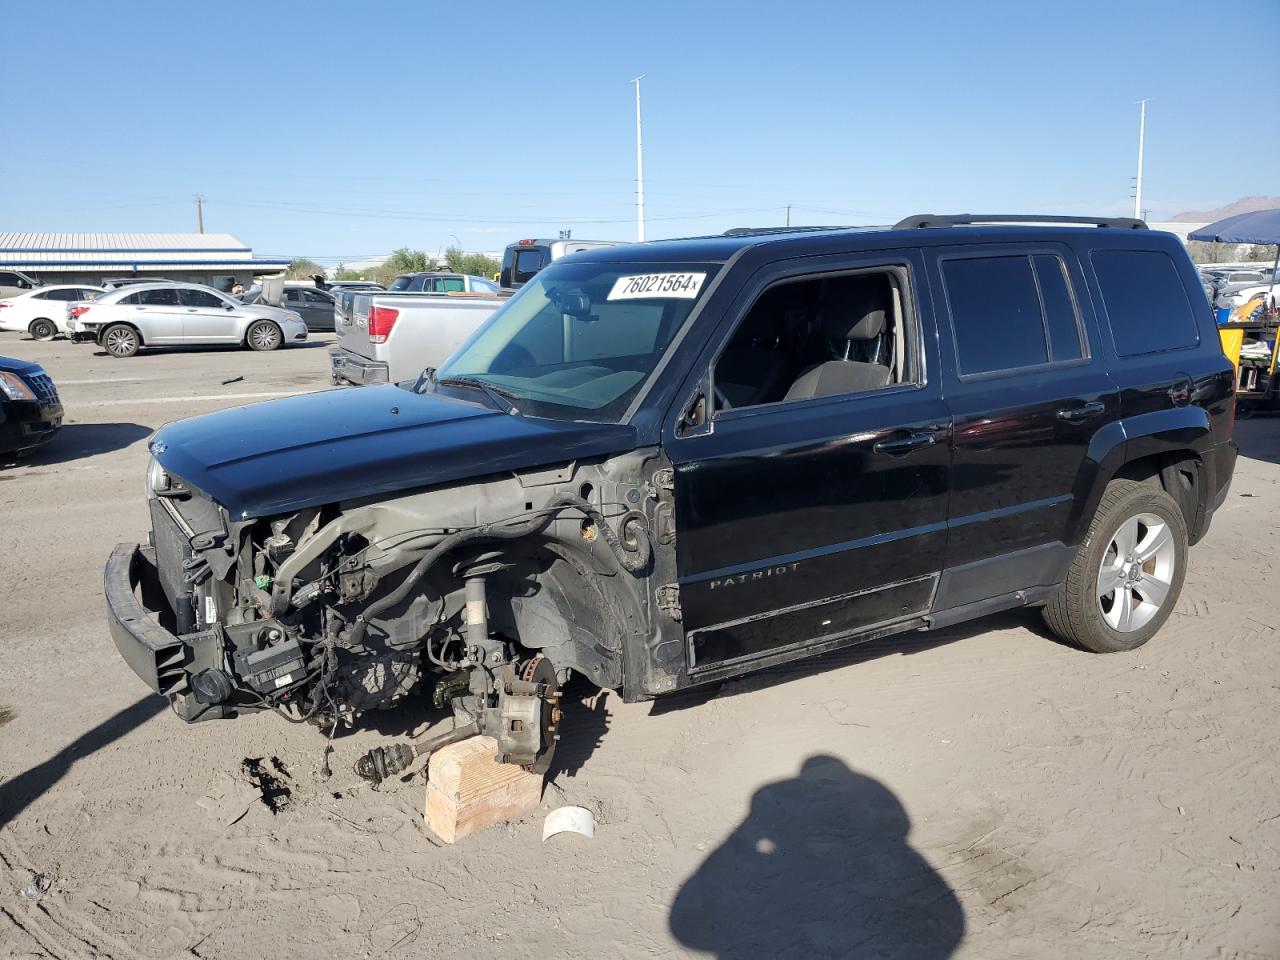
(695, 416)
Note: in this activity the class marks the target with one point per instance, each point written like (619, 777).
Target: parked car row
(43, 311)
(1233, 287)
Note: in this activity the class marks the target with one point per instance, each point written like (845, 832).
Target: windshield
(579, 340)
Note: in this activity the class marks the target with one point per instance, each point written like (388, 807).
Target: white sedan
(43, 312)
(125, 320)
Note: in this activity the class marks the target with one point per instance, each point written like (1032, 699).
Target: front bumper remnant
(138, 615)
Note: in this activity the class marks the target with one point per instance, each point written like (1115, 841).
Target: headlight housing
(158, 479)
(14, 387)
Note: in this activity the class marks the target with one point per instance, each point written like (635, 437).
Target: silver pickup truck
(389, 337)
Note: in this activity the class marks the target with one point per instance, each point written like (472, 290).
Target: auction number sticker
(677, 286)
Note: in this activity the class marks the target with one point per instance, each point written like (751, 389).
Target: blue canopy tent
(1261, 226)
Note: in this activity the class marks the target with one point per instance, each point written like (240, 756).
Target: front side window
(818, 337)
(200, 298)
(1145, 301)
(1011, 312)
(579, 340)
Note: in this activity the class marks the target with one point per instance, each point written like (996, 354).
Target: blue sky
(341, 131)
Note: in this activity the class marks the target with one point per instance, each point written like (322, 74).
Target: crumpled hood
(282, 455)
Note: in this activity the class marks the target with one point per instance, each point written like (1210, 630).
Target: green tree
(343, 273)
(303, 269)
(475, 264)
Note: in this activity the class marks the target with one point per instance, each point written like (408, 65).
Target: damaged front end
(484, 596)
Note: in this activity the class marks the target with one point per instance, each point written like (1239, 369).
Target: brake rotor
(540, 671)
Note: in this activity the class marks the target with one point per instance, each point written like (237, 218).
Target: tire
(263, 335)
(43, 329)
(121, 340)
(1143, 523)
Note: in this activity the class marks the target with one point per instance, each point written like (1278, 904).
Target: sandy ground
(984, 792)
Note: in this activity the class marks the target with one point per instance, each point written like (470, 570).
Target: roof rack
(756, 231)
(961, 219)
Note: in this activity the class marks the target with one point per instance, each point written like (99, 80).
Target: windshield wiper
(502, 398)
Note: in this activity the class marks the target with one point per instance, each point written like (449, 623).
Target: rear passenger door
(1029, 391)
(316, 309)
(157, 315)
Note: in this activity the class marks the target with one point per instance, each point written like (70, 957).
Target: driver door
(807, 522)
(207, 318)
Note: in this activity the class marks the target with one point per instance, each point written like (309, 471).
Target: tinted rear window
(161, 298)
(528, 263)
(1145, 301)
(401, 283)
(995, 313)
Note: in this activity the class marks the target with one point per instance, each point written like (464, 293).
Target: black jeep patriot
(669, 463)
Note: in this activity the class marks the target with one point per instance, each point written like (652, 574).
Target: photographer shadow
(821, 867)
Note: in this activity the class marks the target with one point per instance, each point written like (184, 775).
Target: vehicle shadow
(820, 867)
(1259, 437)
(17, 793)
(901, 644)
(77, 440)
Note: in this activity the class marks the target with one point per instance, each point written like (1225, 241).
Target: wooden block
(467, 790)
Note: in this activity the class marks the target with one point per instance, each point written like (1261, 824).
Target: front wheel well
(1178, 473)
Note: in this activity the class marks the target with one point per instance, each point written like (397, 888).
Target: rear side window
(158, 298)
(451, 285)
(1145, 301)
(1010, 312)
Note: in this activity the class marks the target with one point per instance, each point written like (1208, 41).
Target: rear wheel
(263, 335)
(1128, 573)
(42, 329)
(121, 340)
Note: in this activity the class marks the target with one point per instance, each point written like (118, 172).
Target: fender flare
(1178, 430)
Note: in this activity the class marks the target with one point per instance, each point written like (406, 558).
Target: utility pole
(788, 214)
(1142, 132)
(200, 212)
(639, 165)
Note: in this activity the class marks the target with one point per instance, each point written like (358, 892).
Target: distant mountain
(1243, 205)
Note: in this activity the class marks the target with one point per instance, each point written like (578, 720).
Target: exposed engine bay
(484, 597)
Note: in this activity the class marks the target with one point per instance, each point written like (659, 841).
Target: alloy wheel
(120, 342)
(265, 337)
(1136, 573)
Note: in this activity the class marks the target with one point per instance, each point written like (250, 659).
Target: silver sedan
(174, 314)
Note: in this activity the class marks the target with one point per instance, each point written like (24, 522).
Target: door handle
(904, 445)
(1083, 412)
